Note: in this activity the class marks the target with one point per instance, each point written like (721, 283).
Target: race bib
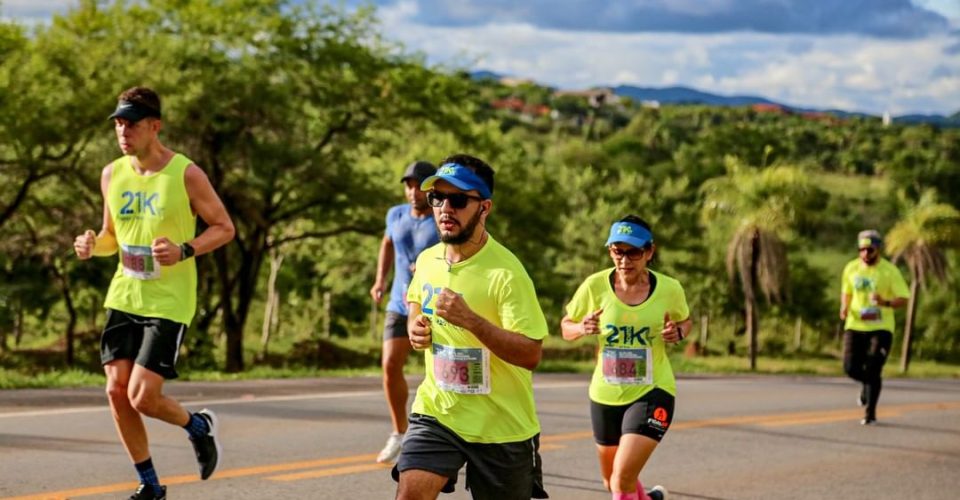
(465, 370)
(631, 366)
(138, 262)
(871, 313)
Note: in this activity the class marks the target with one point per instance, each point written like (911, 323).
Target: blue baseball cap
(632, 234)
(460, 177)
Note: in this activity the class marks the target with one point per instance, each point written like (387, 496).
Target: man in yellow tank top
(152, 197)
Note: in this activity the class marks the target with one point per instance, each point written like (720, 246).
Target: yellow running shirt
(859, 281)
(144, 207)
(468, 388)
(631, 356)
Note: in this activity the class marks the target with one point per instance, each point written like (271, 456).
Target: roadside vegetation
(304, 117)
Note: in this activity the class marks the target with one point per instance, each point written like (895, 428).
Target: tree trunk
(71, 312)
(798, 334)
(327, 311)
(270, 305)
(235, 303)
(908, 326)
(750, 318)
(18, 325)
(751, 312)
(704, 333)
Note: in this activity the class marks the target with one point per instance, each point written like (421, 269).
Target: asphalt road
(733, 437)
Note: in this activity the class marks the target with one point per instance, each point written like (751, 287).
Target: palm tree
(758, 209)
(927, 229)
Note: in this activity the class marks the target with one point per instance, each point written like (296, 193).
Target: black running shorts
(153, 343)
(504, 471)
(394, 326)
(648, 416)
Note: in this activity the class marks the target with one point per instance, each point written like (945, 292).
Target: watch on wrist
(186, 251)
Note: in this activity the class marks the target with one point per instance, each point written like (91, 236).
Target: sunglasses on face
(632, 253)
(457, 200)
(868, 249)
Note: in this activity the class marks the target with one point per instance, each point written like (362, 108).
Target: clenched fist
(166, 252)
(419, 333)
(83, 245)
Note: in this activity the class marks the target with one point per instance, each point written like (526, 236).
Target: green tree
(757, 211)
(921, 237)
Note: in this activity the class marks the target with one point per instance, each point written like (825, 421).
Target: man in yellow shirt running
(151, 198)
(870, 289)
(473, 311)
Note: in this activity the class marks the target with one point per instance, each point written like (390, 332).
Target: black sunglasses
(457, 200)
(633, 253)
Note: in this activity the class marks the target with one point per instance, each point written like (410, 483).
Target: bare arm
(384, 265)
(844, 305)
(206, 203)
(589, 325)
(895, 302)
(674, 332)
(104, 243)
(512, 347)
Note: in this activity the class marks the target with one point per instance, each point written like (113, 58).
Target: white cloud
(847, 72)
(844, 71)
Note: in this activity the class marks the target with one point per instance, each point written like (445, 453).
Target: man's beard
(872, 259)
(465, 233)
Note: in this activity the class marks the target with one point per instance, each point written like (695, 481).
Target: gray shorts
(504, 471)
(394, 326)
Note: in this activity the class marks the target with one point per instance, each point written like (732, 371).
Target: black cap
(133, 111)
(418, 170)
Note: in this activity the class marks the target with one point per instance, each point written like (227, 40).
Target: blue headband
(632, 234)
(460, 177)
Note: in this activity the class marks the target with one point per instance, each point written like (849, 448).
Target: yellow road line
(362, 463)
(336, 471)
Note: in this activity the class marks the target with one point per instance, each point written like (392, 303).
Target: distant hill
(943, 121)
(686, 95)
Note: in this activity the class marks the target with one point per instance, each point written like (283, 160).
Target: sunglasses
(457, 200)
(868, 249)
(632, 253)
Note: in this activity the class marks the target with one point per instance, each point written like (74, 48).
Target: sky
(873, 56)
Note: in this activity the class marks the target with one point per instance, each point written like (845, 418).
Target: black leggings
(864, 354)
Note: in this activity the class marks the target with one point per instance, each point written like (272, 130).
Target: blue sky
(901, 56)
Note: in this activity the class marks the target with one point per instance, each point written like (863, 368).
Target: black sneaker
(869, 420)
(145, 492)
(657, 493)
(207, 447)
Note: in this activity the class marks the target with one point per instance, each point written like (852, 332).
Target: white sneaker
(658, 493)
(391, 450)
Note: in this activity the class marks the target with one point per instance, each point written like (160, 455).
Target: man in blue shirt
(410, 230)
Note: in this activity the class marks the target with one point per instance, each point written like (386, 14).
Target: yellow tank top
(145, 207)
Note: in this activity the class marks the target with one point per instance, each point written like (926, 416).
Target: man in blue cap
(410, 229)
(474, 312)
(871, 288)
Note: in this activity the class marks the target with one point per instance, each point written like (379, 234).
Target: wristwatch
(186, 251)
